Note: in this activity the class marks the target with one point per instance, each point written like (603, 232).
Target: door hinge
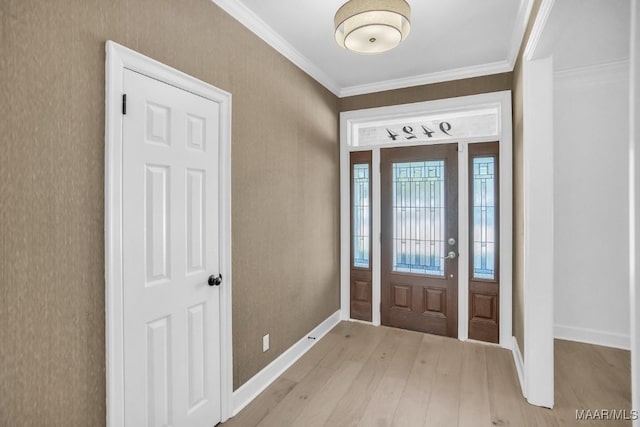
(124, 104)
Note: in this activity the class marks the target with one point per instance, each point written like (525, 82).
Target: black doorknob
(215, 281)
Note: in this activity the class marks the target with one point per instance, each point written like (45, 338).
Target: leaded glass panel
(361, 220)
(419, 217)
(484, 220)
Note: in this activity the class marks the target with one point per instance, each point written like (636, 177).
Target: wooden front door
(419, 254)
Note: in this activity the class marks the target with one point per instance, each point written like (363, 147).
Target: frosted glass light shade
(372, 26)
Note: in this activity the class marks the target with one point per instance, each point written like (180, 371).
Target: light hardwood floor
(360, 375)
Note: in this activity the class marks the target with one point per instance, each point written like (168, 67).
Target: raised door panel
(158, 123)
(196, 356)
(195, 235)
(435, 302)
(400, 297)
(483, 316)
(159, 376)
(196, 132)
(157, 224)
(484, 307)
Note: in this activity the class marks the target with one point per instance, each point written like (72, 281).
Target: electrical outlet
(265, 343)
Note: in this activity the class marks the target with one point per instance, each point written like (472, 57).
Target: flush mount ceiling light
(372, 26)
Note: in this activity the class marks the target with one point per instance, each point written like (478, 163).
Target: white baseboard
(593, 336)
(517, 358)
(260, 381)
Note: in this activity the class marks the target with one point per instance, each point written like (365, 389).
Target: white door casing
(167, 230)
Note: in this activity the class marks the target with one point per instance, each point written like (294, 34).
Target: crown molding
(538, 28)
(246, 17)
(596, 73)
(255, 24)
(522, 19)
(423, 79)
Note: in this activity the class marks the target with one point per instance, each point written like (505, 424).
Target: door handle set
(450, 255)
(215, 281)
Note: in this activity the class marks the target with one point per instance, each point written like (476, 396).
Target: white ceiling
(449, 39)
(578, 33)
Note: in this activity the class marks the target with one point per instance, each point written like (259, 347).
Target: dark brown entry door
(419, 206)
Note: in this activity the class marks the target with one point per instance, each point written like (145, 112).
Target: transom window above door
(477, 123)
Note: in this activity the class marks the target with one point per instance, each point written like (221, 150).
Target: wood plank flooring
(360, 375)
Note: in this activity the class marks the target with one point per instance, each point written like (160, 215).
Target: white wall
(539, 251)
(591, 206)
(634, 96)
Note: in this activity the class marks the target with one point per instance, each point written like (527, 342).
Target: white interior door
(170, 244)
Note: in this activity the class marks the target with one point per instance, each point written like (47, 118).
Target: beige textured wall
(430, 92)
(285, 192)
(518, 191)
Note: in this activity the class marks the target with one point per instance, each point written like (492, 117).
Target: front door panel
(360, 286)
(419, 206)
(484, 250)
